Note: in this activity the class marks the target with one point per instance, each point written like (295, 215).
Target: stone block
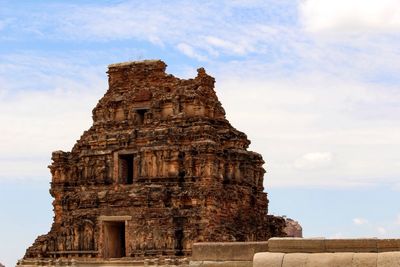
(268, 259)
(227, 251)
(295, 260)
(220, 264)
(365, 259)
(385, 245)
(342, 259)
(388, 259)
(300, 245)
(319, 259)
(351, 245)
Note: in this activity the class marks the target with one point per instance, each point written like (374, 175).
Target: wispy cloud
(288, 121)
(293, 92)
(354, 16)
(360, 221)
(205, 26)
(2, 25)
(36, 121)
(313, 160)
(189, 51)
(381, 230)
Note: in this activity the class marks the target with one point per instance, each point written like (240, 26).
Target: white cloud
(190, 52)
(240, 48)
(381, 230)
(293, 94)
(337, 235)
(214, 27)
(313, 160)
(350, 15)
(36, 122)
(360, 221)
(398, 219)
(328, 122)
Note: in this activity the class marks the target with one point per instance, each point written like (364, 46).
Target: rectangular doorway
(114, 239)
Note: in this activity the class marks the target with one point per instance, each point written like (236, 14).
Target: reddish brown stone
(293, 228)
(160, 169)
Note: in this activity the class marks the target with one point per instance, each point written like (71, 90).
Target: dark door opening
(126, 169)
(114, 239)
(140, 116)
(179, 235)
(178, 242)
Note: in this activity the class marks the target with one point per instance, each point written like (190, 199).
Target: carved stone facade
(160, 169)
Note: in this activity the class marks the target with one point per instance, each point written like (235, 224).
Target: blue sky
(313, 83)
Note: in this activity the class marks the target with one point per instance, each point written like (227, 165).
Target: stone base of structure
(299, 252)
(339, 259)
(226, 254)
(161, 262)
(276, 252)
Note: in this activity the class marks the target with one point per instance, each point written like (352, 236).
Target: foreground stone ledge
(291, 245)
(221, 264)
(320, 245)
(227, 251)
(340, 259)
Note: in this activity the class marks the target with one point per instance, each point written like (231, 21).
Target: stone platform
(339, 259)
(299, 252)
(276, 252)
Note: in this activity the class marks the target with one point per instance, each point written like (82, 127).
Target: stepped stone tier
(298, 252)
(160, 168)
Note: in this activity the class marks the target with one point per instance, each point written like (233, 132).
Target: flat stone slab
(291, 245)
(227, 251)
(340, 259)
(321, 245)
(220, 264)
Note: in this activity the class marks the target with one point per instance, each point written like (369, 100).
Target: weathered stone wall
(160, 169)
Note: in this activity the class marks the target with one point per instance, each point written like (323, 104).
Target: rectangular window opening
(126, 169)
(140, 115)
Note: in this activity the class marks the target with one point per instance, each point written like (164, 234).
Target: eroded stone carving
(161, 153)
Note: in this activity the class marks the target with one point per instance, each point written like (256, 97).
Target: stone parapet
(320, 252)
(233, 251)
(229, 254)
(321, 245)
(339, 259)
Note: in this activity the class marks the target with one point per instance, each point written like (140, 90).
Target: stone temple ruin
(160, 169)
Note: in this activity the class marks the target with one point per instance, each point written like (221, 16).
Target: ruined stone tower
(160, 169)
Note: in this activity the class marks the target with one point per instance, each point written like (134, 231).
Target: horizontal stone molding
(75, 252)
(115, 218)
(227, 251)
